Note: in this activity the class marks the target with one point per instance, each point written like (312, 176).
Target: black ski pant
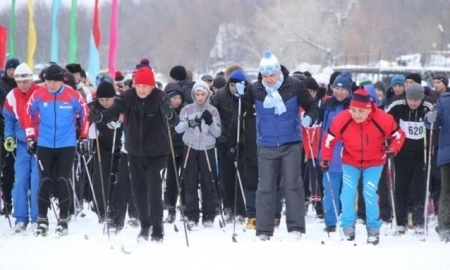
(171, 194)
(55, 165)
(410, 176)
(383, 198)
(7, 174)
(444, 201)
(121, 197)
(108, 175)
(197, 171)
(146, 185)
(227, 174)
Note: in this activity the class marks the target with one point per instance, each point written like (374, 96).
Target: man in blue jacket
(277, 98)
(440, 119)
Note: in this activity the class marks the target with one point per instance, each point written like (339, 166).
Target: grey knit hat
(415, 91)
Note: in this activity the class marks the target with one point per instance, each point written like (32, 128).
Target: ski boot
(419, 230)
(144, 234)
(329, 229)
(264, 237)
(373, 236)
(156, 239)
(42, 226)
(171, 215)
(63, 227)
(134, 223)
(251, 224)
(20, 227)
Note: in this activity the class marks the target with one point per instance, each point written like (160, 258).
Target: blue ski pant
(370, 179)
(26, 186)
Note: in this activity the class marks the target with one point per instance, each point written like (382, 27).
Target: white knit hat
(23, 73)
(269, 64)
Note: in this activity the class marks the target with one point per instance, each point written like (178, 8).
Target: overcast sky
(7, 3)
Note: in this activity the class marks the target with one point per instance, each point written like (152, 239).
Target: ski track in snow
(212, 248)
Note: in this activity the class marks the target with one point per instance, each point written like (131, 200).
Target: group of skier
(243, 144)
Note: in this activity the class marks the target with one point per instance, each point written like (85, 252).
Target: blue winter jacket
(276, 130)
(442, 123)
(329, 109)
(58, 114)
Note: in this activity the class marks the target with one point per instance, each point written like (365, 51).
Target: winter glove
(10, 144)
(240, 87)
(306, 121)
(232, 155)
(194, 122)
(95, 115)
(207, 116)
(431, 117)
(324, 165)
(166, 108)
(31, 146)
(114, 125)
(390, 152)
(82, 146)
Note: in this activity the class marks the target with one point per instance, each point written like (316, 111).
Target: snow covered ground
(87, 248)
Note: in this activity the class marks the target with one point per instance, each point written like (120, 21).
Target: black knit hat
(311, 83)
(105, 90)
(415, 77)
(12, 63)
(54, 73)
(442, 78)
(178, 73)
(219, 82)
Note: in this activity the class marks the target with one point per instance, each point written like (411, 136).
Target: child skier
(363, 130)
(200, 123)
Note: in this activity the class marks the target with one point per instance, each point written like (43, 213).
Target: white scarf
(273, 98)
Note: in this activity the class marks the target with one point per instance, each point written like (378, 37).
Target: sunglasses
(23, 76)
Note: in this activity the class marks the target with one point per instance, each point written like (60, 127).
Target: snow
(213, 248)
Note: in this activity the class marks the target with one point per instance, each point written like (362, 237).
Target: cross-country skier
(147, 111)
(277, 98)
(362, 130)
(27, 175)
(56, 106)
(410, 163)
(200, 122)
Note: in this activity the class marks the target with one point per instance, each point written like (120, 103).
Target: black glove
(82, 146)
(31, 146)
(95, 115)
(194, 122)
(166, 108)
(324, 165)
(207, 116)
(232, 153)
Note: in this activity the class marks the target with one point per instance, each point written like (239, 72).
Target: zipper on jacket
(142, 123)
(276, 127)
(362, 144)
(54, 134)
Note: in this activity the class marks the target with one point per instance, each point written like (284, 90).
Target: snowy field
(87, 248)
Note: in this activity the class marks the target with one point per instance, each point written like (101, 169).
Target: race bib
(413, 130)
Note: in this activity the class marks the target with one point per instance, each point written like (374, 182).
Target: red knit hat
(360, 99)
(145, 76)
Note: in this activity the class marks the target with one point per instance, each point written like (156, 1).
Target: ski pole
(212, 178)
(108, 193)
(102, 182)
(172, 151)
(334, 205)
(90, 182)
(391, 191)
(428, 179)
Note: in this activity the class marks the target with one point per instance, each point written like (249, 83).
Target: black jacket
(411, 121)
(144, 126)
(186, 85)
(105, 134)
(227, 106)
(248, 129)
